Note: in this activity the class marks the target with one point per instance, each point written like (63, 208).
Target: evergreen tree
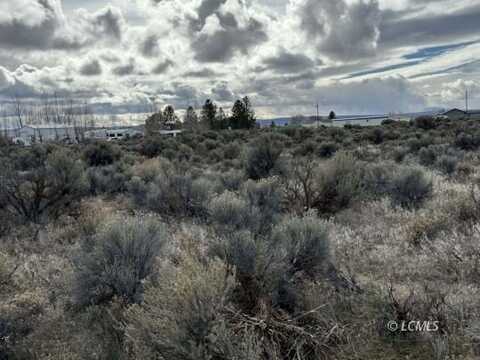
(243, 115)
(154, 124)
(190, 120)
(221, 121)
(169, 116)
(332, 115)
(208, 114)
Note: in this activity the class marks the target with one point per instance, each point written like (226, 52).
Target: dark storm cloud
(222, 92)
(224, 43)
(431, 29)
(342, 31)
(91, 68)
(149, 47)
(228, 39)
(41, 25)
(21, 33)
(202, 73)
(206, 8)
(109, 22)
(286, 62)
(123, 70)
(162, 67)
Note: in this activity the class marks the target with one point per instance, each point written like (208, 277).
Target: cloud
(431, 28)
(202, 73)
(91, 68)
(162, 67)
(29, 24)
(149, 47)
(287, 62)
(42, 25)
(341, 30)
(126, 69)
(218, 34)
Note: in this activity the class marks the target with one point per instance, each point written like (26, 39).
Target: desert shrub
(262, 157)
(184, 317)
(109, 179)
(306, 148)
(425, 122)
(18, 318)
(299, 184)
(410, 188)
(421, 142)
(447, 164)
(425, 227)
(228, 211)
(399, 154)
(231, 151)
(116, 261)
(305, 243)
(339, 183)
(159, 145)
(327, 149)
(427, 156)
(43, 186)
(468, 142)
(376, 136)
(179, 195)
(232, 180)
(377, 179)
(263, 198)
(169, 190)
(101, 153)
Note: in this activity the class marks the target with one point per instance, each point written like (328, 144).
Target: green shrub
(263, 198)
(305, 243)
(41, 184)
(377, 179)
(109, 179)
(228, 211)
(327, 149)
(339, 183)
(468, 142)
(185, 317)
(262, 158)
(169, 190)
(410, 188)
(101, 154)
(176, 194)
(427, 156)
(116, 261)
(447, 164)
(231, 151)
(376, 136)
(426, 122)
(399, 154)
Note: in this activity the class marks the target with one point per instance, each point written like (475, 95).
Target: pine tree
(208, 114)
(243, 115)
(190, 120)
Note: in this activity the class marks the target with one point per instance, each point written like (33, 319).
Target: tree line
(211, 117)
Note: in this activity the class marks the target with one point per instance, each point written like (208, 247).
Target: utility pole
(318, 119)
(466, 100)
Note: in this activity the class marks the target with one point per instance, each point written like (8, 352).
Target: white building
(457, 114)
(30, 134)
(113, 133)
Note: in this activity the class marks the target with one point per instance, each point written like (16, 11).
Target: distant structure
(457, 114)
(31, 134)
(114, 133)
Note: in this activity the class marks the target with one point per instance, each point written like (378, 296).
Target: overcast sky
(353, 56)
